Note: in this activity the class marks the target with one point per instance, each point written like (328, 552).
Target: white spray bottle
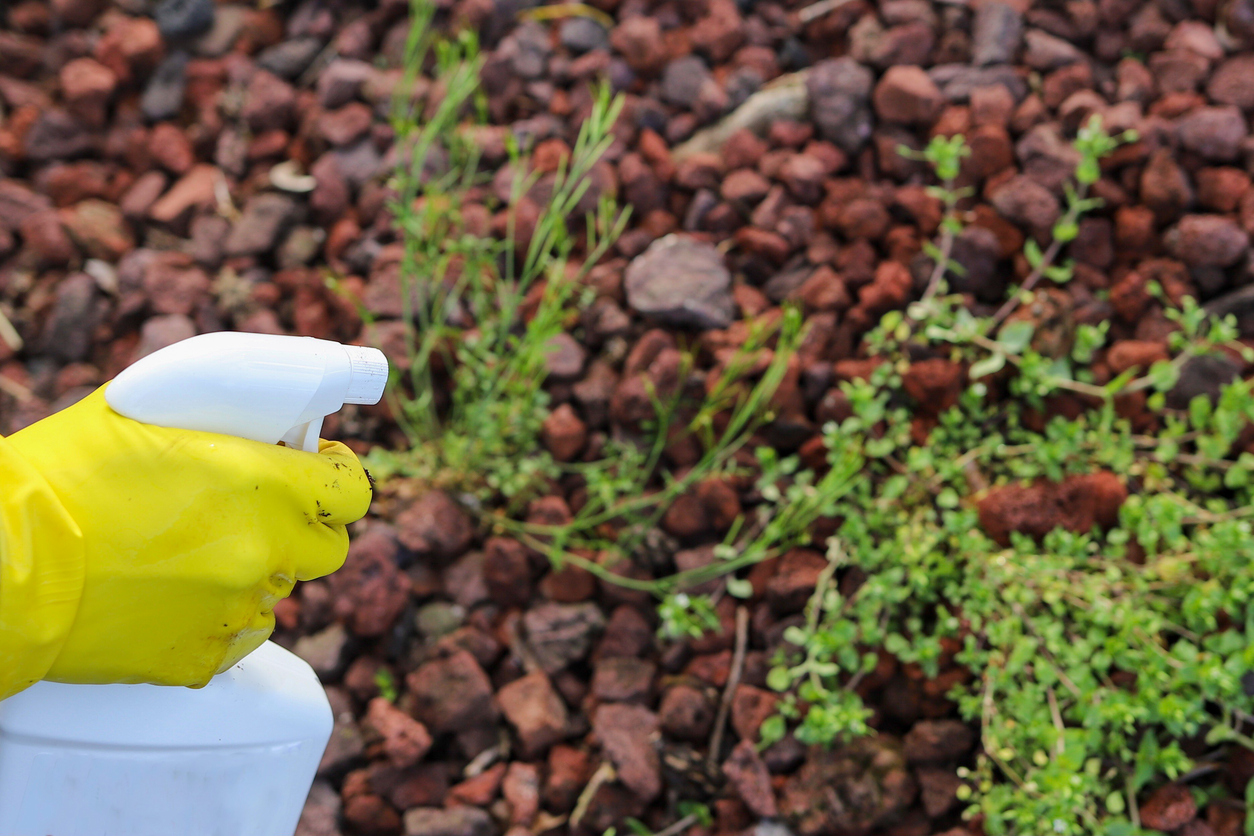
(237, 757)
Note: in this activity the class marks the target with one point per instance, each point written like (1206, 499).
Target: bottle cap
(368, 374)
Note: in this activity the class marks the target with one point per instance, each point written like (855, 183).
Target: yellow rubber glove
(168, 548)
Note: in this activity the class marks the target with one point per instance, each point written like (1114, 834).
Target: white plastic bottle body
(235, 758)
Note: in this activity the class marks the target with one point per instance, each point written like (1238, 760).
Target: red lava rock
(639, 41)
(536, 712)
(1220, 189)
(370, 591)
(1207, 240)
(1077, 504)
(371, 815)
(507, 571)
(345, 125)
(627, 733)
(686, 713)
(269, 102)
(851, 789)
(936, 384)
(521, 789)
(173, 285)
(929, 741)
(794, 579)
(405, 740)
(749, 709)
(265, 219)
(564, 433)
(130, 46)
(889, 289)
(1213, 132)
(748, 777)
(568, 772)
(1168, 807)
(87, 86)
(560, 634)
(1139, 354)
(907, 95)
(171, 149)
(434, 526)
(1025, 201)
(938, 789)
(623, 679)
(711, 505)
(479, 790)
(744, 187)
(99, 229)
(195, 189)
(45, 237)
(452, 694)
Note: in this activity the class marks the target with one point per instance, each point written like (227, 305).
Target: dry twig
(733, 680)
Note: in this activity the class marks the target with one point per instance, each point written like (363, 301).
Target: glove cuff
(41, 573)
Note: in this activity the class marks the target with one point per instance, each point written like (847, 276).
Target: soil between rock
(137, 207)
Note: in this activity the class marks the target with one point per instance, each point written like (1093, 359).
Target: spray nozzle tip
(368, 374)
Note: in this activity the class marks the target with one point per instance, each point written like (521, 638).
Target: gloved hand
(188, 539)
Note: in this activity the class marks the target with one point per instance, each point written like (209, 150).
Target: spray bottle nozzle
(264, 387)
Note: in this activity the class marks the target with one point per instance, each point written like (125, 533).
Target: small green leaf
(779, 678)
(739, 588)
(991, 364)
(1164, 375)
(1016, 336)
(773, 729)
(1032, 252)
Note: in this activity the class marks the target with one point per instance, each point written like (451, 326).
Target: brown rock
(521, 789)
(623, 679)
(564, 434)
(536, 712)
(507, 571)
(627, 734)
(929, 741)
(1164, 185)
(478, 790)
(1213, 132)
(1207, 241)
(87, 86)
(907, 95)
(1220, 189)
(99, 229)
(851, 789)
(1077, 504)
(371, 815)
(269, 103)
(744, 187)
(560, 634)
(1135, 354)
(1025, 201)
(748, 777)
(935, 383)
(1230, 83)
(130, 46)
(370, 591)
(345, 125)
(750, 708)
(45, 237)
(639, 40)
(1168, 807)
(171, 149)
(455, 821)
(434, 526)
(405, 740)
(938, 789)
(791, 586)
(686, 713)
(568, 772)
(196, 189)
(452, 694)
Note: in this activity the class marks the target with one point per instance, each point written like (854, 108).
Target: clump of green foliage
(464, 294)
(1091, 655)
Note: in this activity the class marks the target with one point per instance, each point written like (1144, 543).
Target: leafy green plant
(477, 427)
